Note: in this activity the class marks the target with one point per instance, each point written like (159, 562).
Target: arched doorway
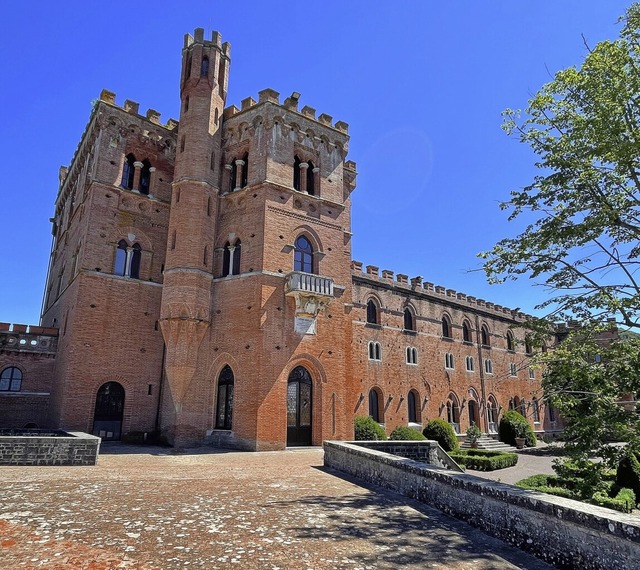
(299, 393)
(107, 419)
(492, 415)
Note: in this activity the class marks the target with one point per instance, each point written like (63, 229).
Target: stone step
(489, 444)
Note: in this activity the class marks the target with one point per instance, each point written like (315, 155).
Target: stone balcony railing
(299, 282)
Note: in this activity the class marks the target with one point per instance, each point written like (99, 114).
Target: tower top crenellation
(198, 38)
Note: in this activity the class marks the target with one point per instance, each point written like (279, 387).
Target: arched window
(470, 364)
(413, 408)
(245, 170)
(231, 258)
(224, 403)
(145, 177)
(204, 67)
(372, 312)
(484, 333)
(374, 405)
(375, 351)
(412, 355)
(236, 184)
(311, 189)
(136, 256)
(466, 332)
(448, 360)
(536, 411)
(128, 171)
(296, 172)
(409, 320)
(446, 327)
(453, 412)
(492, 415)
(11, 379)
(120, 264)
(303, 255)
(488, 366)
(511, 345)
(528, 348)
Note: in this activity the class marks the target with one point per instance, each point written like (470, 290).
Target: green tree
(582, 238)
(584, 205)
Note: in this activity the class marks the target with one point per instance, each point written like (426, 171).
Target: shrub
(512, 424)
(487, 461)
(628, 472)
(443, 433)
(406, 433)
(624, 501)
(367, 429)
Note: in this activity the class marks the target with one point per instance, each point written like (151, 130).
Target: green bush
(624, 501)
(367, 429)
(487, 461)
(403, 433)
(443, 433)
(628, 472)
(513, 424)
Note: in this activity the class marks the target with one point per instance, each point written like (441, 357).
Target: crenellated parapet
(417, 285)
(28, 339)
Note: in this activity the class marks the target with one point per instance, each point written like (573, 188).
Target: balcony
(311, 292)
(299, 282)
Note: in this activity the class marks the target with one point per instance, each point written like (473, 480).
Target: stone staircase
(485, 442)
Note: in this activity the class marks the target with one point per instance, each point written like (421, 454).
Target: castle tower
(186, 297)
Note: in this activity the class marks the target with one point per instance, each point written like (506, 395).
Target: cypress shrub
(403, 433)
(443, 433)
(367, 429)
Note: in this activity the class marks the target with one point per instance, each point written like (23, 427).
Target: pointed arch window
(136, 257)
(375, 398)
(311, 189)
(446, 327)
(128, 171)
(413, 410)
(303, 255)
(372, 312)
(204, 67)
(145, 177)
(128, 260)
(470, 364)
(409, 320)
(121, 258)
(511, 345)
(11, 379)
(466, 332)
(375, 351)
(296, 172)
(224, 403)
(484, 333)
(453, 412)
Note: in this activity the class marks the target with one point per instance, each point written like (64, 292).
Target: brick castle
(201, 288)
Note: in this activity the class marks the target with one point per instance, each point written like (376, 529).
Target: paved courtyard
(147, 508)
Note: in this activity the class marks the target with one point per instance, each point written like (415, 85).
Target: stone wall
(565, 533)
(424, 451)
(71, 448)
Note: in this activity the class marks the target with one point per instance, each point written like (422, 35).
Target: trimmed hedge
(367, 429)
(623, 501)
(404, 433)
(484, 460)
(443, 433)
(512, 423)
(628, 472)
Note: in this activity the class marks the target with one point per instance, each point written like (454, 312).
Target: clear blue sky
(421, 84)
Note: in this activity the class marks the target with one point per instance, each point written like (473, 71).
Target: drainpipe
(483, 393)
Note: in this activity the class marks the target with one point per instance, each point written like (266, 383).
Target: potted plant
(521, 434)
(473, 434)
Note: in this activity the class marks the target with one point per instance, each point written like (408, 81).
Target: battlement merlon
(133, 108)
(216, 40)
(290, 104)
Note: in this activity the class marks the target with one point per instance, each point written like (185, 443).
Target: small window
(448, 360)
(231, 258)
(484, 333)
(11, 379)
(409, 320)
(136, 257)
(372, 312)
(446, 327)
(412, 355)
(528, 347)
(120, 264)
(470, 364)
(128, 171)
(145, 177)
(224, 404)
(513, 369)
(204, 67)
(532, 374)
(374, 405)
(303, 255)
(511, 345)
(311, 178)
(488, 366)
(375, 351)
(552, 412)
(466, 332)
(296, 172)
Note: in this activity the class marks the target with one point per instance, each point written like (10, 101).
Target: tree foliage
(583, 242)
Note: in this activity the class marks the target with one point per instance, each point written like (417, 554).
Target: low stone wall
(428, 451)
(49, 448)
(565, 533)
